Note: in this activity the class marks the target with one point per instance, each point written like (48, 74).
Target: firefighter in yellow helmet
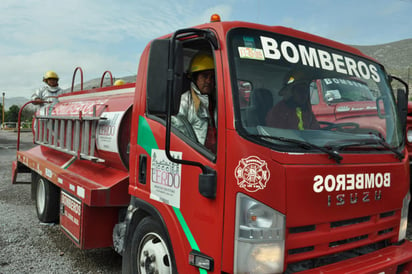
(119, 82)
(197, 105)
(50, 91)
(294, 111)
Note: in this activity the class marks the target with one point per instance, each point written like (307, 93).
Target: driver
(197, 105)
(294, 111)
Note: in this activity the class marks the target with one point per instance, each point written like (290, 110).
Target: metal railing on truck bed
(75, 135)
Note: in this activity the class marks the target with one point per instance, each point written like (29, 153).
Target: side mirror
(402, 106)
(164, 87)
(208, 183)
(402, 99)
(159, 76)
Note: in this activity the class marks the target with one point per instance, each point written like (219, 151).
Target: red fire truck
(113, 169)
(337, 100)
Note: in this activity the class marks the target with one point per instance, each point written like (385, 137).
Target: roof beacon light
(215, 18)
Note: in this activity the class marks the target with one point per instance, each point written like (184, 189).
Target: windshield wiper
(376, 141)
(333, 154)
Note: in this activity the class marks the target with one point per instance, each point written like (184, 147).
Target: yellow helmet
(50, 74)
(201, 62)
(293, 79)
(119, 82)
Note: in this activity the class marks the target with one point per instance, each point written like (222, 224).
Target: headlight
(259, 237)
(409, 135)
(404, 217)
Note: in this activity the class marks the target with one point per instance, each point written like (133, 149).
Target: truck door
(193, 219)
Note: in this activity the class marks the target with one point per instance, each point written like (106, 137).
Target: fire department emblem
(252, 174)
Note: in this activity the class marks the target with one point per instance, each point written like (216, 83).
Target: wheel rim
(153, 257)
(41, 196)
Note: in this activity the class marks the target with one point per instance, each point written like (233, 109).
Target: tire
(47, 201)
(149, 250)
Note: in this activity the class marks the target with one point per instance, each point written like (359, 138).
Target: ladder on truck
(71, 134)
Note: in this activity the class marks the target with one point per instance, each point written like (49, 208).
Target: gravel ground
(27, 246)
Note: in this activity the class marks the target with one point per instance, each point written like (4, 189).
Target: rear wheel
(47, 201)
(149, 251)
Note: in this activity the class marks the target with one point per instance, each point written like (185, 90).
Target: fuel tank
(90, 125)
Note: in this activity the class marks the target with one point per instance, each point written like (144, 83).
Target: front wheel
(149, 251)
(47, 201)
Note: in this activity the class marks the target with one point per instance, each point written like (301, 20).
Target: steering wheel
(338, 126)
(187, 127)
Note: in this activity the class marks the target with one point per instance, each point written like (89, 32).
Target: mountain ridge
(395, 56)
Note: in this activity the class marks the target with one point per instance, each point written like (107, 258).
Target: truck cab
(278, 197)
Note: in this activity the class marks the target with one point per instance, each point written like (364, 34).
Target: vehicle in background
(349, 102)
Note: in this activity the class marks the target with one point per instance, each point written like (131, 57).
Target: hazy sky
(100, 35)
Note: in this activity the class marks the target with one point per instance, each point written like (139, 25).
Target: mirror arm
(169, 100)
(207, 179)
(402, 81)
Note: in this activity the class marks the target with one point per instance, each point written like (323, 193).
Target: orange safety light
(215, 18)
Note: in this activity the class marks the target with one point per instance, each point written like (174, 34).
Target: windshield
(288, 91)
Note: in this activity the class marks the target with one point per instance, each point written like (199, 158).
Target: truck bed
(93, 183)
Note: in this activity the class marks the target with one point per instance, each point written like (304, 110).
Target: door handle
(142, 168)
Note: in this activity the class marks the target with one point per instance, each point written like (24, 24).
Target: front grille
(334, 258)
(301, 229)
(300, 250)
(350, 222)
(315, 245)
(347, 241)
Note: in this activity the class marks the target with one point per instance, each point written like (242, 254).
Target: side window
(245, 88)
(314, 94)
(197, 117)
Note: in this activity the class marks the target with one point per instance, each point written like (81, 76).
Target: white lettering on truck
(368, 186)
(313, 57)
(359, 181)
(74, 206)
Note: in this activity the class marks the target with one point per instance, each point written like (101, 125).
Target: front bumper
(393, 259)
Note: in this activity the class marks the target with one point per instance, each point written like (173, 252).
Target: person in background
(119, 82)
(50, 91)
(197, 105)
(294, 111)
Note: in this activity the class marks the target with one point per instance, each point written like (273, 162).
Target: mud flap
(17, 167)
(14, 172)
(70, 215)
